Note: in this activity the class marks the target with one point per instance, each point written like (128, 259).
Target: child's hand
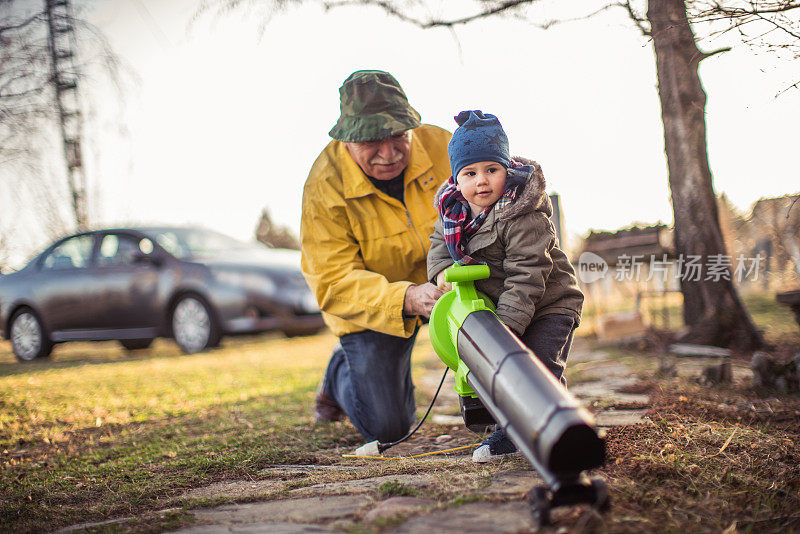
(443, 286)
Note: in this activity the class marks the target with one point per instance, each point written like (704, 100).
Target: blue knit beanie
(479, 137)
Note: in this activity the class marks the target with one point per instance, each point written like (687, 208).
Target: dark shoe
(325, 408)
(494, 447)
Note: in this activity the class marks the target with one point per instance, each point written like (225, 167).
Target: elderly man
(367, 215)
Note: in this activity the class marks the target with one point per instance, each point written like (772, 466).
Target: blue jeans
(550, 338)
(369, 377)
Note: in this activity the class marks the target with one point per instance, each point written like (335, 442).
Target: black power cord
(384, 446)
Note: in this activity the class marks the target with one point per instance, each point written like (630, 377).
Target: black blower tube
(548, 425)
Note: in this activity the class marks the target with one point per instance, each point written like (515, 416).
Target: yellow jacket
(361, 248)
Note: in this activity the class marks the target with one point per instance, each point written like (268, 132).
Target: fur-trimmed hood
(533, 196)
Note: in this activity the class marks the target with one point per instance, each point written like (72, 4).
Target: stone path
(340, 505)
(601, 381)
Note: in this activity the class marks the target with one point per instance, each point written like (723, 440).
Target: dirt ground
(709, 459)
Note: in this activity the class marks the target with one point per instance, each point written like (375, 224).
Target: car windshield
(191, 242)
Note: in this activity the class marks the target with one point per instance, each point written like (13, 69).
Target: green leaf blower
(500, 381)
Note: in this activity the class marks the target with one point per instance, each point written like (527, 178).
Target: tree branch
(780, 7)
(739, 16)
(777, 26)
(21, 25)
(551, 23)
(706, 55)
(504, 7)
(795, 85)
(18, 94)
(639, 21)
(431, 23)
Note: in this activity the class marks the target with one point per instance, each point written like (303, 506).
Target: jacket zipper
(416, 233)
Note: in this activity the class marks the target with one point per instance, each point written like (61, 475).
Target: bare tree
(40, 113)
(26, 129)
(24, 72)
(713, 310)
(274, 235)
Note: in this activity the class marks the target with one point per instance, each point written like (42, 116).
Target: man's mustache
(380, 161)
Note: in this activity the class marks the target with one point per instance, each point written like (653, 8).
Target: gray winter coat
(530, 275)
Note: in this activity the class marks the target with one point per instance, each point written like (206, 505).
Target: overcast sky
(224, 120)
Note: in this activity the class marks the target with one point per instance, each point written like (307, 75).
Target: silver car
(136, 284)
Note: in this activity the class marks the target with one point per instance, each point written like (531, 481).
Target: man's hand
(420, 299)
(441, 284)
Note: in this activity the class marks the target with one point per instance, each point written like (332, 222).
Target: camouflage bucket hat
(373, 107)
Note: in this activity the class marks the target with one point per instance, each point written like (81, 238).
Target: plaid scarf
(457, 221)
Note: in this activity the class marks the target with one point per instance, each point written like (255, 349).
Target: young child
(494, 210)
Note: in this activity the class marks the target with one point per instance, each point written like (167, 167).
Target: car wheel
(193, 325)
(136, 344)
(28, 338)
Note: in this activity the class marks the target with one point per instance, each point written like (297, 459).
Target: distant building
(772, 230)
(640, 264)
(640, 241)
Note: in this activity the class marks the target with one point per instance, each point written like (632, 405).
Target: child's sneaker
(494, 447)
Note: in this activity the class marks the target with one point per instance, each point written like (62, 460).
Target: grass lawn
(776, 320)
(98, 433)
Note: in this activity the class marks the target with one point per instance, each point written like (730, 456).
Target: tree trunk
(712, 310)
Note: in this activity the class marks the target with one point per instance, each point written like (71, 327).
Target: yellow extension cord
(407, 457)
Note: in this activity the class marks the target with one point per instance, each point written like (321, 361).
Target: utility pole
(62, 47)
